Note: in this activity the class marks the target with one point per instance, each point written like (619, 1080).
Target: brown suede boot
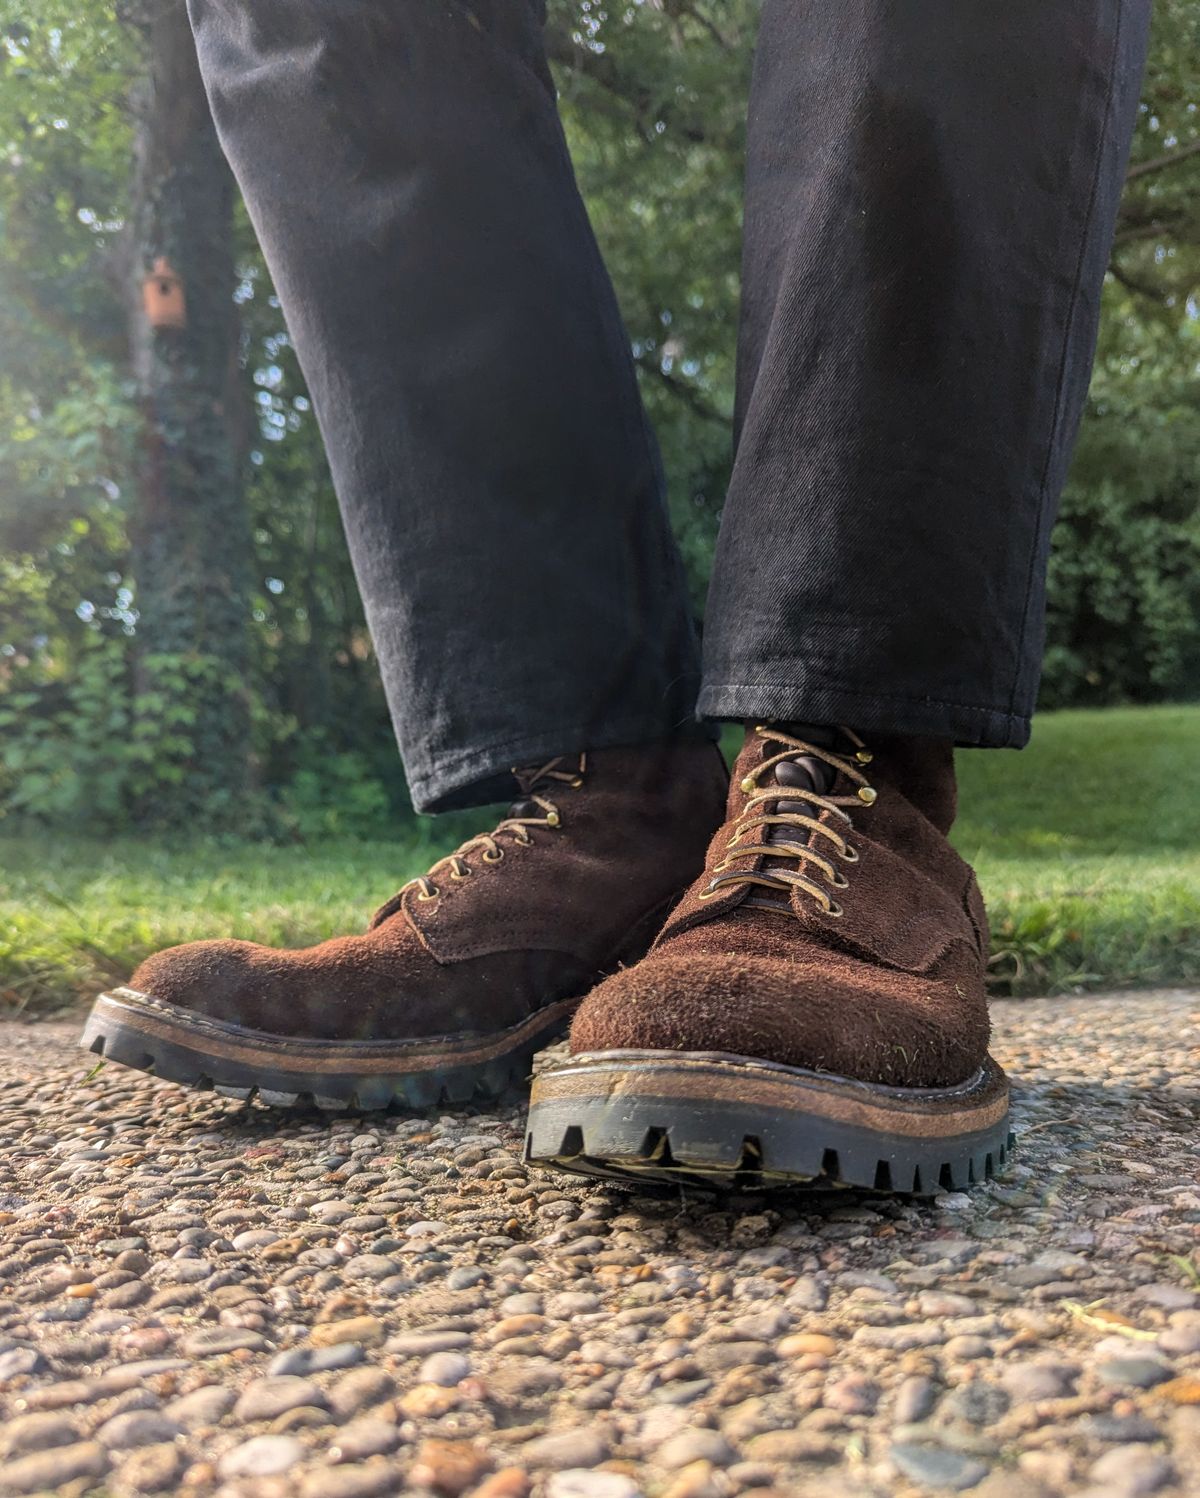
(814, 1009)
(462, 974)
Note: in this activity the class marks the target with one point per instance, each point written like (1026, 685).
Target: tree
(84, 95)
(189, 526)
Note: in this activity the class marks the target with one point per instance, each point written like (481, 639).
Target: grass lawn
(1087, 845)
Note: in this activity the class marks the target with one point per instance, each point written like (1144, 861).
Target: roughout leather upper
(891, 992)
(539, 925)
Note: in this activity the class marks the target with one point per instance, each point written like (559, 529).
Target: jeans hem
(479, 777)
(807, 701)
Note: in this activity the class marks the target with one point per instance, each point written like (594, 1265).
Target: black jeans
(931, 194)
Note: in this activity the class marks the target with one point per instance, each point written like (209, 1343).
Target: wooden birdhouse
(162, 291)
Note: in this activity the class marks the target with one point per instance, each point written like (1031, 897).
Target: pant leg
(406, 173)
(930, 201)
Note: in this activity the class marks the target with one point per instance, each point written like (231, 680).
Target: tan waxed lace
(516, 826)
(754, 816)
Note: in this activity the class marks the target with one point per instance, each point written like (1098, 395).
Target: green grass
(1087, 845)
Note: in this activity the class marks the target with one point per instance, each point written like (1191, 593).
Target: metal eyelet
(707, 894)
(553, 819)
(490, 857)
(834, 910)
(456, 875)
(425, 898)
(839, 881)
(848, 854)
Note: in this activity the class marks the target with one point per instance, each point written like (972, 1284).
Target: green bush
(1124, 596)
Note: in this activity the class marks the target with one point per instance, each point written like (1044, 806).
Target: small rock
(18, 1361)
(362, 1331)
(695, 1445)
(1121, 1429)
(762, 1327)
(1130, 1471)
(369, 1267)
(361, 1389)
(448, 1368)
(853, 1395)
(422, 1344)
(703, 1480)
(568, 1303)
(212, 1341)
(914, 1399)
(55, 1468)
(1180, 1341)
(1029, 1382)
(1141, 1373)
(255, 1238)
(581, 1446)
(935, 1467)
(803, 1344)
(363, 1438)
(530, 1324)
(261, 1456)
(1170, 1297)
(581, 1483)
(449, 1467)
(509, 1482)
(428, 1401)
(792, 1446)
(374, 1480)
(206, 1406)
(138, 1428)
(807, 1294)
(967, 1349)
(40, 1432)
(942, 1303)
(1182, 1390)
(977, 1402)
(268, 1398)
(152, 1469)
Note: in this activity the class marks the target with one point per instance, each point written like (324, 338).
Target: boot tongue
(804, 773)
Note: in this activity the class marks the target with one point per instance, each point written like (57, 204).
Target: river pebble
(218, 1301)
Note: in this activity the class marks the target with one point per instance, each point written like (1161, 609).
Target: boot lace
(786, 843)
(516, 824)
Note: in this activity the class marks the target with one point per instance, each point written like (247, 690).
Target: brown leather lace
(517, 824)
(755, 816)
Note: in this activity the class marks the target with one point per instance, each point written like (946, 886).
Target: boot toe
(222, 980)
(867, 1022)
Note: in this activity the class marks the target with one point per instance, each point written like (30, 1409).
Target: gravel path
(200, 1297)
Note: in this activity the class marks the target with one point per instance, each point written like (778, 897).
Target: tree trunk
(189, 524)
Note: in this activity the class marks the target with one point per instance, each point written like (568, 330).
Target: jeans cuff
(798, 700)
(480, 777)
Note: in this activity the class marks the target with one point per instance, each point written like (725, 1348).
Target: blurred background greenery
(182, 648)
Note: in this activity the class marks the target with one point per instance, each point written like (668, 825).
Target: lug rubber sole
(736, 1123)
(136, 1030)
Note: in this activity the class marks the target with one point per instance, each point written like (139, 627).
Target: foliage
(653, 102)
(1124, 596)
(1086, 846)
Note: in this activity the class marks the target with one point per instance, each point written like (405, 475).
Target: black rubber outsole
(659, 1118)
(139, 1032)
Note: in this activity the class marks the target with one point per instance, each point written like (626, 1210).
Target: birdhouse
(162, 291)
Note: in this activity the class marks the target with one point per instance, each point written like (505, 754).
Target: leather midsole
(151, 1017)
(699, 1080)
